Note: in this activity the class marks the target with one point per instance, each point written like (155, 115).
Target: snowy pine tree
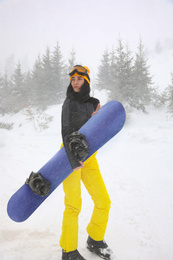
(5, 95)
(72, 60)
(170, 96)
(103, 77)
(47, 92)
(115, 72)
(37, 82)
(28, 87)
(142, 81)
(58, 68)
(2, 92)
(112, 67)
(123, 73)
(71, 63)
(18, 93)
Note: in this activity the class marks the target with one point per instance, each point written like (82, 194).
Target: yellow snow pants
(93, 181)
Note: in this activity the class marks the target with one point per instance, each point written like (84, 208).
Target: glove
(78, 145)
(38, 184)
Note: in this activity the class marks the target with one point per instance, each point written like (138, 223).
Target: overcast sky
(27, 27)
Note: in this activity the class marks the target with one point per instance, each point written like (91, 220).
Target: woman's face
(77, 83)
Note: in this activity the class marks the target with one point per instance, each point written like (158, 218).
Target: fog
(89, 27)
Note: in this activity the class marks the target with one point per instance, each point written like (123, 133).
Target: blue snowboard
(98, 130)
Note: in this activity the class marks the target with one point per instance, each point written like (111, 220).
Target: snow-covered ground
(137, 166)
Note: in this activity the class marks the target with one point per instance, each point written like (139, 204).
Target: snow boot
(72, 255)
(100, 248)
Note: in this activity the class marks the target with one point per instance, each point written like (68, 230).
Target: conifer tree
(122, 72)
(47, 91)
(142, 90)
(71, 63)
(127, 91)
(119, 71)
(1, 82)
(170, 96)
(18, 99)
(72, 60)
(112, 69)
(6, 103)
(103, 76)
(2, 92)
(28, 87)
(58, 68)
(37, 82)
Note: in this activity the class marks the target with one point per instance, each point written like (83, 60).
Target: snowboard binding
(38, 184)
(78, 145)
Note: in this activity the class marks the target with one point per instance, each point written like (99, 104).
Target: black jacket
(76, 111)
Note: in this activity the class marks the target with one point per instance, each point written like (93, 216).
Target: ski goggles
(79, 70)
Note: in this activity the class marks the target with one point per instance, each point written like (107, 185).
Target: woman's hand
(79, 167)
(95, 112)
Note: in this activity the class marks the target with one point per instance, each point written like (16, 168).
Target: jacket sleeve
(67, 129)
(95, 102)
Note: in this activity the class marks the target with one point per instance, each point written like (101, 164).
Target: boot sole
(94, 252)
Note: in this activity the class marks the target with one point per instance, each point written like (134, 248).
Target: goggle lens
(79, 69)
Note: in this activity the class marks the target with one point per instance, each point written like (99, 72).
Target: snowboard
(98, 130)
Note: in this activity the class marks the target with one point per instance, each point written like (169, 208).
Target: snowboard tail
(98, 130)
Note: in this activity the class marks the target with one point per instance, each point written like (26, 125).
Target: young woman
(77, 109)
